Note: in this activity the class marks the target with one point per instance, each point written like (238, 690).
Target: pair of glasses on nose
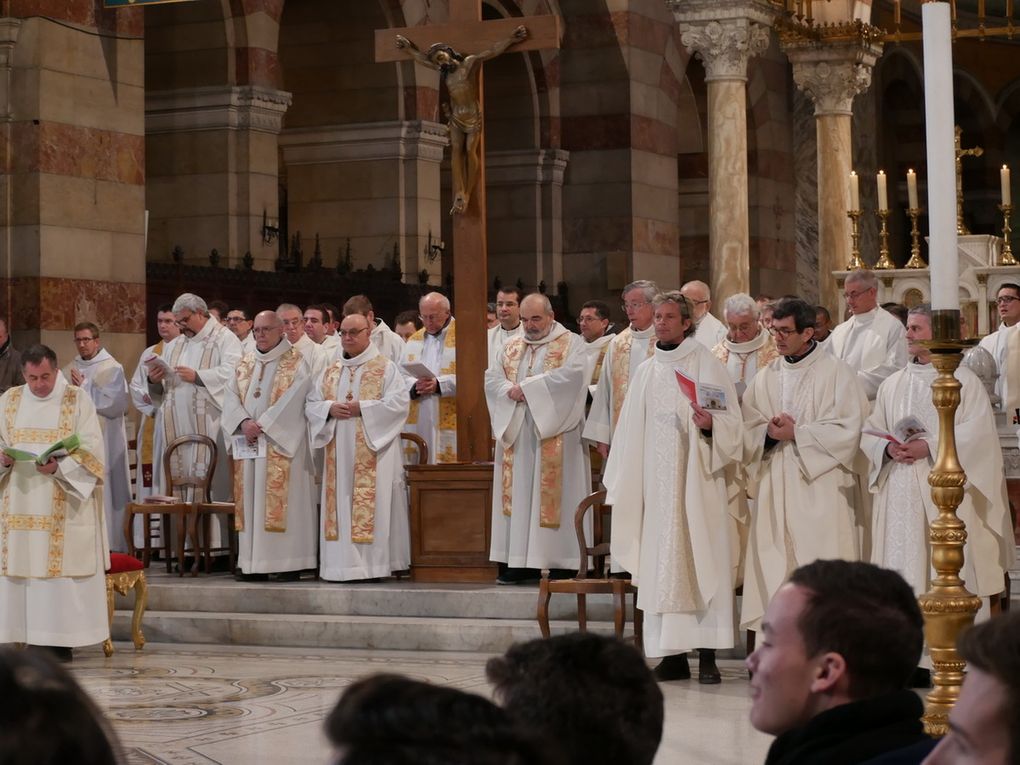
(351, 332)
(782, 332)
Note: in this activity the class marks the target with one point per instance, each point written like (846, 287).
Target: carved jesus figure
(464, 112)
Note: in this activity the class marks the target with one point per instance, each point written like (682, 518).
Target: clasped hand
(909, 452)
(781, 427)
(344, 410)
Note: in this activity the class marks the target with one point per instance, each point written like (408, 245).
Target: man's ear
(830, 673)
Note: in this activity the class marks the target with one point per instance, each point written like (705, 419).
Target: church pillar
(72, 175)
(725, 37)
(832, 74)
(213, 171)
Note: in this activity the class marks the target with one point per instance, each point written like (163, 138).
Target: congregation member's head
(317, 324)
(86, 340)
(191, 314)
(590, 699)
(672, 314)
(898, 310)
(268, 331)
(700, 296)
(823, 323)
(984, 726)
(861, 291)
(793, 326)
(508, 307)
(293, 321)
(45, 716)
(39, 368)
(218, 309)
(593, 321)
(392, 720)
(919, 329)
(741, 313)
(239, 322)
(835, 633)
(406, 324)
(434, 312)
(537, 315)
(355, 334)
(1007, 303)
(637, 303)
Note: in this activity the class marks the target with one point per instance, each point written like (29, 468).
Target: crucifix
(457, 49)
(977, 151)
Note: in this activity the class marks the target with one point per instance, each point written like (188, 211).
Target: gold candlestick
(915, 241)
(855, 264)
(884, 261)
(1006, 256)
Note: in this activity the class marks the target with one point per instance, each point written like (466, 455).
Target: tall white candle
(855, 191)
(943, 258)
(912, 189)
(883, 197)
(1007, 198)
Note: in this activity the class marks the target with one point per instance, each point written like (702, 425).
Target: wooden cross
(468, 34)
(977, 151)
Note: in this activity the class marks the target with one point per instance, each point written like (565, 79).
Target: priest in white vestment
(536, 396)
(666, 481)
(102, 377)
(593, 322)
(872, 341)
(356, 411)
(1007, 302)
(54, 554)
(239, 322)
(508, 326)
(903, 507)
(803, 416)
(708, 330)
(274, 489)
(294, 330)
(433, 411)
(389, 343)
(319, 330)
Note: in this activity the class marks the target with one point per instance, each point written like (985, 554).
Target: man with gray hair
(872, 341)
(708, 330)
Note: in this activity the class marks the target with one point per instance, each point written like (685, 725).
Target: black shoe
(562, 573)
(288, 576)
(708, 672)
(673, 668)
(921, 678)
(220, 564)
(251, 577)
(620, 575)
(518, 575)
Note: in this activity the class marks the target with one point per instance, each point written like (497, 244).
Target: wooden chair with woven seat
(126, 574)
(584, 584)
(416, 442)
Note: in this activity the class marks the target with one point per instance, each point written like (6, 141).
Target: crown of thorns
(437, 47)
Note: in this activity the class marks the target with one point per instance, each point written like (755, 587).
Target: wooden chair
(583, 585)
(416, 441)
(124, 575)
(205, 511)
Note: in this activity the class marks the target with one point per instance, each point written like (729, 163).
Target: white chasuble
(666, 481)
(434, 417)
(54, 555)
(805, 490)
(389, 343)
(276, 526)
(595, 353)
(625, 353)
(106, 385)
(874, 344)
(542, 470)
(997, 344)
(498, 337)
(903, 505)
(365, 531)
(709, 331)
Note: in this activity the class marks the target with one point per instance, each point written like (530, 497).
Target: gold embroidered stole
(551, 449)
(370, 388)
(597, 372)
(620, 372)
(277, 464)
(147, 438)
(447, 425)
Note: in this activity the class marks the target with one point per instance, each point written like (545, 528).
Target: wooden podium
(451, 514)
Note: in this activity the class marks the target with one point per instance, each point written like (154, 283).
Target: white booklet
(908, 429)
(418, 370)
(155, 360)
(710, 397)
(245, 451)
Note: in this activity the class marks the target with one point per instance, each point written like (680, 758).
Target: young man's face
(790, 342)
(405, 330)
(978, 725)
(670, 324)
(315, 328)
(1008, 304)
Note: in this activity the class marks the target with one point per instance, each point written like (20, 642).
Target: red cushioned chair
(126, 573)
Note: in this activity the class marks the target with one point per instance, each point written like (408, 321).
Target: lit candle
(1007, 199)
(855, 192)
(912, 189)
(883, 198)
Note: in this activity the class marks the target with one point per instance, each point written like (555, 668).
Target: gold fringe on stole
(597, 372)
(365, 461)
(620, 374)
(329, 521)
(278, 464)
(10, 413)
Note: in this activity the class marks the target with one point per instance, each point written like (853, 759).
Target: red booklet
(687, 385)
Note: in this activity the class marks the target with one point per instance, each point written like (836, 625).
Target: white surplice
(52, 594)
(553, 406)
(318, 355)
(805, 490)
(106, 385)
(382, 420)
(263, 551)
(625, 354)
(709, 331)
(148, 475)
(498, 337)
(666, 481)
(439, 353)
(996, 344)
(903, 505)
(248, 344)
(874, 344)
(596, 351)
(389, 343)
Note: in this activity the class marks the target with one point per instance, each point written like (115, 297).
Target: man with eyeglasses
(593, 323)
(102, 378)
(708, 330)
(355, 412)
(508, 325)
(239, 323)
(1007, 303)
(872, 341)
(293, 320)
(274, 485)
(626, 351)
(803, 416)
(389, 343)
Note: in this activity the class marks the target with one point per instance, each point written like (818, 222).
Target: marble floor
(202, 705)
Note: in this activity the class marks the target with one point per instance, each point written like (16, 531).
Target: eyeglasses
(80, 340)
(699, 302)
(633, 306)
(856, 294)
(293, 322)
(434, 317)
(586, 319)
(782, 332)
(1005, 300)
(233, 319)
(351, 332)
(264, 330)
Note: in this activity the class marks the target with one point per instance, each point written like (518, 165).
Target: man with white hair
(708, 330)
(293, 319)
(433, 414)
(872, 341)
(535, 392)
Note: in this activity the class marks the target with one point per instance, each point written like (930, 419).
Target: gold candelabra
(884, 261)
(855, 264)
(1006, 256)
(915, 241)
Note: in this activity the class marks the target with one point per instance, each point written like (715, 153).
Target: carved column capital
(832, 74)
(724, 37)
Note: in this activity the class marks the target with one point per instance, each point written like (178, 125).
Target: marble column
(832, 75)
(725, 38)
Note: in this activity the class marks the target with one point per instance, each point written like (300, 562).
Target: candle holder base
(855, 264)
(1006, 256)
(915, 240)
(884, 262)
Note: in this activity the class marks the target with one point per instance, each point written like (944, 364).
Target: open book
(60, 449)
(907, 429)
(155, 360)
(711, 397)
(417, 370)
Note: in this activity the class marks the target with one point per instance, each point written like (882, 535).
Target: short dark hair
(220, 306)
(511, 289)
(867, 614)
(94, 329)
(803, 313)
(165, 308)
(241, 310)
(323, 311)
(332, 310)
(1009, 285)
(408, 316)
(898, 310)
(35, 354)
(821, 309)
(601, 309)
(994, 648)
(591, 696)
(357, 304)
(392, 720)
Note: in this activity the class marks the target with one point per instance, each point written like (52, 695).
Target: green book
(61, 448)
